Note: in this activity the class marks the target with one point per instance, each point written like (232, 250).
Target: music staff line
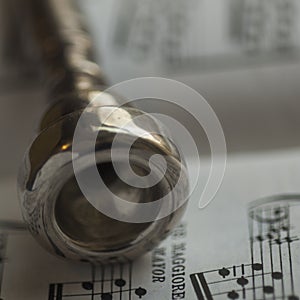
(234, 279)
(279, 223)
(118, 284)
(270, 243)
(243, 280)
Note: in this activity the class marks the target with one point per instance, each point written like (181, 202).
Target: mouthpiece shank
(54, 206)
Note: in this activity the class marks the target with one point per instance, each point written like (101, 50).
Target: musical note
(270, 272)
(107, 282)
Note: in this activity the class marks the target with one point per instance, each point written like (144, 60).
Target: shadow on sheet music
(104, 282)
(273, 269)
(6, 228)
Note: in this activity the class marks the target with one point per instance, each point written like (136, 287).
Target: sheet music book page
(180, 38)
(224, 251)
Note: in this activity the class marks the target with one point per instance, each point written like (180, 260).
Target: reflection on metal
(53, 206)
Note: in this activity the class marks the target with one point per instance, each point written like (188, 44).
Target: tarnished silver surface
(57, 213)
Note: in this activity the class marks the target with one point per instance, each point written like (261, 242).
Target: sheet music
(272, 272)
(173, 37)
(225, 251)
